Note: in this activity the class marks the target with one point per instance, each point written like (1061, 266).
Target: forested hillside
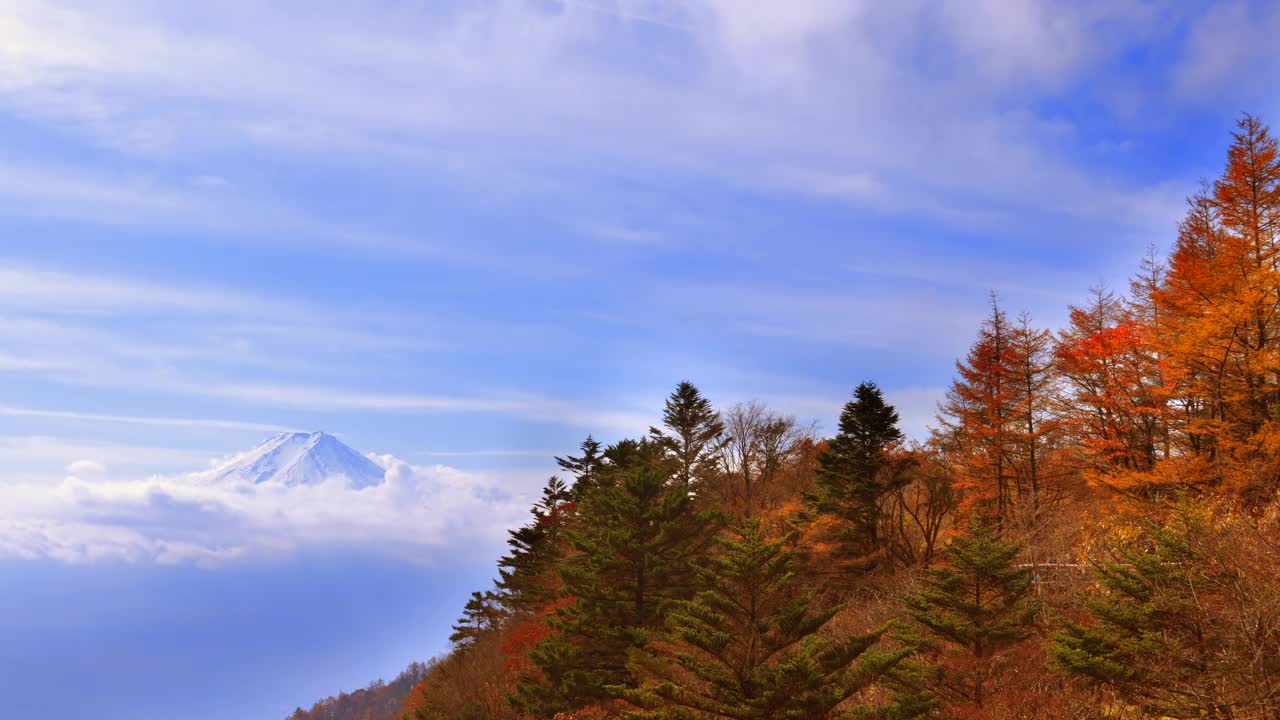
(379, 701)
(1091, 531)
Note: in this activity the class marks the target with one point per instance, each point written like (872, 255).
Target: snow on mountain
(300, 459)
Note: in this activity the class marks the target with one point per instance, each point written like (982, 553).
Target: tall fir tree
(747, 646)
(855, 472)
(1150, 638)
(633, 554)
(526, 574)
(692, 436)
(585, 468)
(484, 613)
(978, 603)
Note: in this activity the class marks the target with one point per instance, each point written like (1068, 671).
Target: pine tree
(633, 555)
(482, 614)
(1150, 638)
(855, 472)
(978, 603)
(585, 468)
(747, 645)
(526, 574)
(691, 440)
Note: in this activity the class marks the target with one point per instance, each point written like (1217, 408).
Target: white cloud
(847, 90)
(86, 467)
(415, 512)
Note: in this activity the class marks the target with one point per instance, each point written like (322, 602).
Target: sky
(463, 235)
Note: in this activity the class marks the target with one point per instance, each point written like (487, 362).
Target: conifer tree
(692, 436)
(1151, 638)
(633, 554)
(855, 471)
(482, 614)
(993, 418)
(526, 577)
(747, 645)
(978, 602)
(585, 468)
(1219, 311)
(526, 574)
(1034, 428)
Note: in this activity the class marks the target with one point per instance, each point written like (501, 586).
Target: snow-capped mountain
(300, 459)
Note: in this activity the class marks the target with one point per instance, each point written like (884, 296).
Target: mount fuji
(292, 458)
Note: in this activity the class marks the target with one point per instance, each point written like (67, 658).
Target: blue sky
(465, 235)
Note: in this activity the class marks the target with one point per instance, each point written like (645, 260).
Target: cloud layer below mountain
(189, 519)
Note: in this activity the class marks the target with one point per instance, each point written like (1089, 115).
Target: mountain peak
(301, 458)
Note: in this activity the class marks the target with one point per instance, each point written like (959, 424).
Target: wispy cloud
(476, 81)
(162, 422)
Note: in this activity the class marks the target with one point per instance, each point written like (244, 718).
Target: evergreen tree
(526, 577)
(1151, 638)
(482, 614)
(585, 468)
(978, 603)
(634, 554)
(855, 472)
(747, 645)
(692, 439)
(527, 573)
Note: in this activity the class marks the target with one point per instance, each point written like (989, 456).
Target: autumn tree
(756, 446)
(1219, 319)
(917, 511)
(1112, 405)
(975, 416)
(748, 645)
(1034, 427)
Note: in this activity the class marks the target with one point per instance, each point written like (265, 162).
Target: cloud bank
(416, 512)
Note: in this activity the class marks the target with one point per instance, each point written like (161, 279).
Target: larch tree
(976, 419)
(1220, 318)
(1112, 405)
(1034, 425)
